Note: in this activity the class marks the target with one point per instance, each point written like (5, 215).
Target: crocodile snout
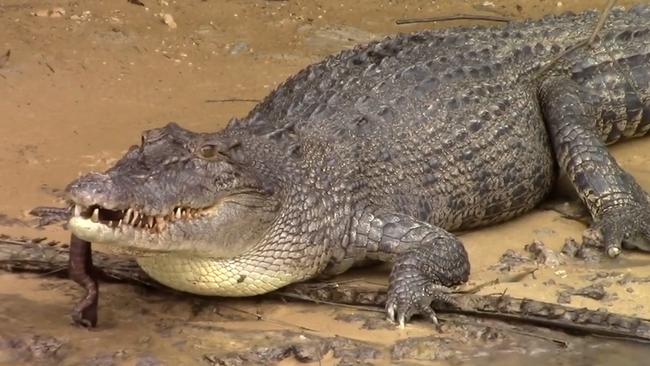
(94, 189)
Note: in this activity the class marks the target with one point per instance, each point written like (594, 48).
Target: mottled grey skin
(379, 152)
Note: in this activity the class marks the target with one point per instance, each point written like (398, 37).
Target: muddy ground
(83, 79)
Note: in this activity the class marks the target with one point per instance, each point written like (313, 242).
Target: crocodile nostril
(92, 189)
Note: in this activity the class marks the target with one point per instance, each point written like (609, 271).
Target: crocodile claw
(613, 252)
(411, 295)
(622, 227)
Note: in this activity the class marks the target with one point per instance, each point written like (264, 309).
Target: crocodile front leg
(427, 260)
(618, 205)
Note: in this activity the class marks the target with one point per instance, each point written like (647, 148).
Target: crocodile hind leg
(427, 261)
(618, 205)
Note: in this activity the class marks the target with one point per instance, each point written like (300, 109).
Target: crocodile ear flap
(232, 152)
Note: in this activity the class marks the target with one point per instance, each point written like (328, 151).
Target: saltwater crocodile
(378, 153)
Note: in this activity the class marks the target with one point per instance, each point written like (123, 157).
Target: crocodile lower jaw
(97, 224)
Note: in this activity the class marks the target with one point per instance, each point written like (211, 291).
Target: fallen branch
(51, 258)
(25, 255)
(501, 307)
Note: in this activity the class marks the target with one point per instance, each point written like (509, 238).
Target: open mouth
(133, 218)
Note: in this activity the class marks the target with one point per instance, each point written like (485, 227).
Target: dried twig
(5, 58)
(601, 21)
(292, 295)
(229, 100)
(49, 67)
(490, 18)
(508, 279)
(586, 42)
(269, 320)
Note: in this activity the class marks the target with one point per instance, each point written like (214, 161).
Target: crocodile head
(178, 191)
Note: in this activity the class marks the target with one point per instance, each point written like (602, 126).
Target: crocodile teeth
(138, 219)
(128, 215)
(160, 223)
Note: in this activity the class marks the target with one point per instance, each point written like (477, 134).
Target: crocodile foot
(627, 227)
(411, 293)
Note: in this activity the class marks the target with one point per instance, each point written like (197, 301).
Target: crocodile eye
(208, 151)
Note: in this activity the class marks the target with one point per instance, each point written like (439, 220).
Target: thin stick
(599, 25)
(5, 58)
(228, 100)
(262, 318)
(508, 279)
(325, 302)
(489, 18)
(601, 21)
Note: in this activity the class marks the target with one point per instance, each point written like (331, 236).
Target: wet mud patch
(83, 84)
(5, 220)
(301, 348)
(32, 349)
